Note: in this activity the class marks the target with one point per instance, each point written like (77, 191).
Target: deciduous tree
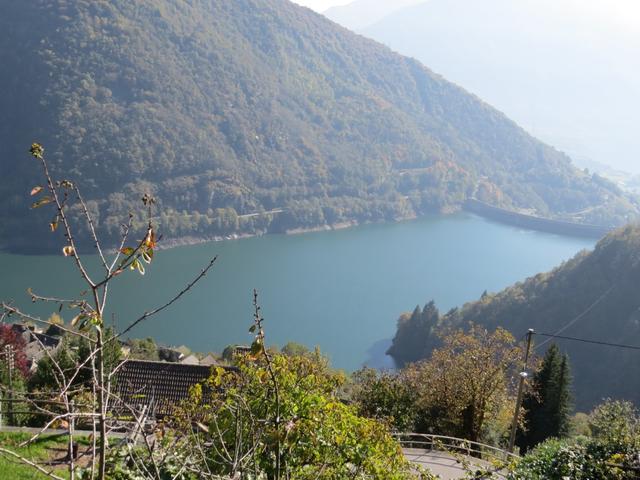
(468, 381)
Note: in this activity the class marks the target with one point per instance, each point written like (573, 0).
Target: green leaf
(41, 202)
(256, 346)
(252, 329)
(128, 251)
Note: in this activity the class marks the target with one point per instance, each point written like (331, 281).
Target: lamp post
(523, 376)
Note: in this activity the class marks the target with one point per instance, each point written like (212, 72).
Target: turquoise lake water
(341, 290)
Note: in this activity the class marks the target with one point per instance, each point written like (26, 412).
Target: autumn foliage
(9, 336)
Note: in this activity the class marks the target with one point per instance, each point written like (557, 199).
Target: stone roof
(159, 386)
(190, 360)
(209, 360)
(36, 343)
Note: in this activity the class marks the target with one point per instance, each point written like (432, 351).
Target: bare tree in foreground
(62, 407)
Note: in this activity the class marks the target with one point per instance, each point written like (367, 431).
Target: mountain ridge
(226, 111)
(363, 13)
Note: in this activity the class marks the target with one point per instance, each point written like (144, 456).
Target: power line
(596, 342)
(587, 310)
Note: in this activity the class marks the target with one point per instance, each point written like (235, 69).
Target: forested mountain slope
(229, 108)
(594, 296)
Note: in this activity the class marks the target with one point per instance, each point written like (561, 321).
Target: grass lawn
(46, 449)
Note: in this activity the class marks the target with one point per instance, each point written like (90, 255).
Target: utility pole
(8, 352)
(523, 376)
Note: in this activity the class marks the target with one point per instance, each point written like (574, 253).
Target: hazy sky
(624, 11)
(321, 5)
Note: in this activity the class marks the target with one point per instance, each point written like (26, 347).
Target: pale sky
(321, 5)
(624, 11)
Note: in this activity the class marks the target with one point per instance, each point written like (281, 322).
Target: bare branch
(65, 222)
(258, 320)
(30, 463)
(151, 313)
(36, 297)
(13, 310)
(48, 425)
(92, 229)
(127, 262)
(125, 236)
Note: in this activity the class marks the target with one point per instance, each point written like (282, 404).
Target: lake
(341, 290)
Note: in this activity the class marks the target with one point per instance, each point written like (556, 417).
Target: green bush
(582, 459)
(302, 421)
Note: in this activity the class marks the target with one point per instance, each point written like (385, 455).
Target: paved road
(259, 214)
(441, 463)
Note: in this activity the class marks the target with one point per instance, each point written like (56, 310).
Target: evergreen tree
(409, 338)
(412, 340)
(562, 401)
(548, 404)
(430, 315)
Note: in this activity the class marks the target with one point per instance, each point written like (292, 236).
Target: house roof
(190, 360)
(35, 343)
(159, 386)
(47, 341)
(209, 360)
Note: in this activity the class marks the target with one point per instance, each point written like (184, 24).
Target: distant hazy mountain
(594, 296)
(568, 71)
(362, 13)
(226, 109)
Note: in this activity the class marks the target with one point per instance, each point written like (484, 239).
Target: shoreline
(472, 206)
(193, 240)
(505, 217)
